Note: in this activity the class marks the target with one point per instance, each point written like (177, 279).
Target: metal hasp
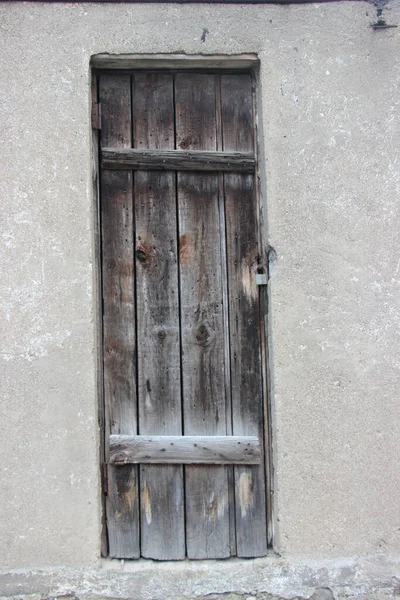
(261, 279)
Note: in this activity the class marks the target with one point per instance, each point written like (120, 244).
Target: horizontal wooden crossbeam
(184, 449)
(177, 160)
(175, 62)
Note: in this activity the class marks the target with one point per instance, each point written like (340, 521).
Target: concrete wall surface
(330, 137)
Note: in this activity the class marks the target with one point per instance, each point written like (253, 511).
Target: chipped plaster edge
(148, 580)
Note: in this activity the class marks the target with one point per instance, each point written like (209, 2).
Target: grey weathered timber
(191, 255)
(99, 313)
(267, 454)
(225, 314)
(177, 160)
(174, 61)
(187, 449)
(207, 510)
(119, 317)
(158, 337)
(203, 360)
(201, 317)
(243, 261)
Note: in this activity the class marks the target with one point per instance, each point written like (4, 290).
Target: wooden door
(182, 365)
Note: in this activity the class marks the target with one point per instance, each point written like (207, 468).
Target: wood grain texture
(203, 360)
(195, 111)
(174, 61)
(201, 316)
(187, 449)
(243, 261)
(158, 337)
(99, 315)
(153, 111)
(225, 313)
(180, 255)
(207, 536)
(119, 316)
(177, 160)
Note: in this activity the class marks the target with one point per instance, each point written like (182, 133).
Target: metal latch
(261, 277)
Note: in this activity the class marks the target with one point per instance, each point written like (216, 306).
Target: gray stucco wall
(330, 119)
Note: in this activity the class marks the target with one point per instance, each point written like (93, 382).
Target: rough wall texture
(272, 578)
(330, 115)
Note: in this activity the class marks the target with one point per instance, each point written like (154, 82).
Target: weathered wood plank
(162, 504)
(153, 112)
(225, 312)
(162, 534)
(243, 260)
(203, 359)
(201, 317)
(177, 160)
(195, 111)
(119, 316)
(99, 315)
(174, 61)
(267, 455)
(187, 449)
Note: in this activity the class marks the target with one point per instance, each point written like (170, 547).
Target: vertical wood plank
(195, 108)
(243, 260)
(225, 310)
(264, 315)
(99, 314)
(203, 376)
(158, 337)
(122, 504)
(207, 507)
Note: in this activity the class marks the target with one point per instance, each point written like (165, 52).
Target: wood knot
(120, 459)
(161, 335)
(185, 143)
(189, 142)
(111, 348)
(202, 336)
(143, 254)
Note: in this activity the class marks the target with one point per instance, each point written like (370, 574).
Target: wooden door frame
(213, 63)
